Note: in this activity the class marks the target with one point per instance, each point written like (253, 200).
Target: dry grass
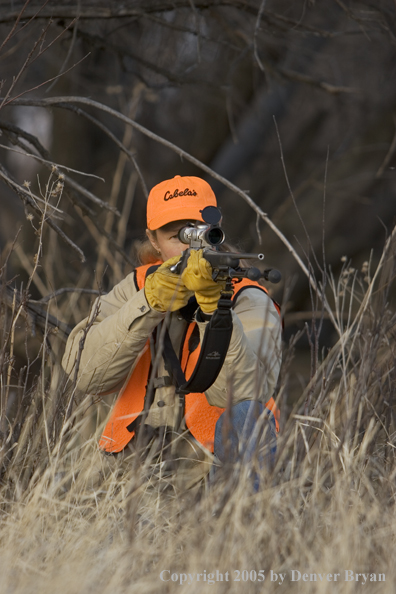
(73, 520)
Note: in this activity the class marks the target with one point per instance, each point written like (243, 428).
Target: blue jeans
(243, 433)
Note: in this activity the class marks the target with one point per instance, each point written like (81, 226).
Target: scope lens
(215, 236)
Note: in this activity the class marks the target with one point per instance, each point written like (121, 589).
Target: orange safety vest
(200, 416)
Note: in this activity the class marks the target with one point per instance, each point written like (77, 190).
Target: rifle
(208, 236)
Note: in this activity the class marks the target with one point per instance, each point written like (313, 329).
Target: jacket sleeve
(118, 328)
(253, 359)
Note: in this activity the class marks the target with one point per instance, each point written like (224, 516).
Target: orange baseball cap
(176, 199)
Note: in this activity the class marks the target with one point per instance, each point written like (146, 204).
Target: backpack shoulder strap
(214, 347)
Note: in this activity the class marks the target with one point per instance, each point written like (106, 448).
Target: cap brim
(176, 214)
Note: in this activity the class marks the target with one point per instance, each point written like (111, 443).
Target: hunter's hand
(197, 277)
(165, 291)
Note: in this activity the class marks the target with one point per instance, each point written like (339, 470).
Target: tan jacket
(125, 321)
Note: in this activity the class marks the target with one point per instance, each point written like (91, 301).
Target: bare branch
(11, 33)
(118, 10)
(33, 140)
(320, 84)
(51, 163)
(63, 291)
(24, 66)
(68, 55)
(256, 30)
(27, 199)
(87, 212)
(292, 194)
(19, 16)
(114, 138)
(32, 312)
(388, 157)
(76, 186)
(105, 43)
(90, 323)
(43, 50)
(68, 180)
(27, 196)
(40, 85)
(287, 23)
(184, 29)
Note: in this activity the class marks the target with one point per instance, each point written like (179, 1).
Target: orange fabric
(129, 405)
(130, 402)
(177, 199)
(141, 272)
(200, 416)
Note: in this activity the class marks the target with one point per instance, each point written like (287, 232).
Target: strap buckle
(162, 382)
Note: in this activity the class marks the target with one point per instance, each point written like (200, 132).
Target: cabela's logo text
(177, 192)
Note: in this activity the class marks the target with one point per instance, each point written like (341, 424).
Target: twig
(32, 312)
(301, 316)
(66, 239)
(114, 194)
(33, 140)
(90, 196)
(23, 67)
(359, 316)
(26, 198)
(71, 183)
(51, 163)
(291, 192)
(284, 73)
(324, 216)
(122, 10)
(197, 27)
(81, 344)
(70, 50)
(101, 43)
(388, 157)
(11, 33)
(258, 229)
(65, 290)
(26, 263)
(256, 30)
(312, 282)
(41, 84)
(185, 29)
(93, 221)
(42, 51)
(320, 84)
(114, 138)
(18, 18)
(48, 193)
(24, 194)
(126, 210)
(274, 19)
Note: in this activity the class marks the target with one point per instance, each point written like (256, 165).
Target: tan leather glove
(197, 276)
(165, 290)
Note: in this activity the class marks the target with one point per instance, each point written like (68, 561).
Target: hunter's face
(166, 241)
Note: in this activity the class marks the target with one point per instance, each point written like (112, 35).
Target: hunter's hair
(146, 253)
